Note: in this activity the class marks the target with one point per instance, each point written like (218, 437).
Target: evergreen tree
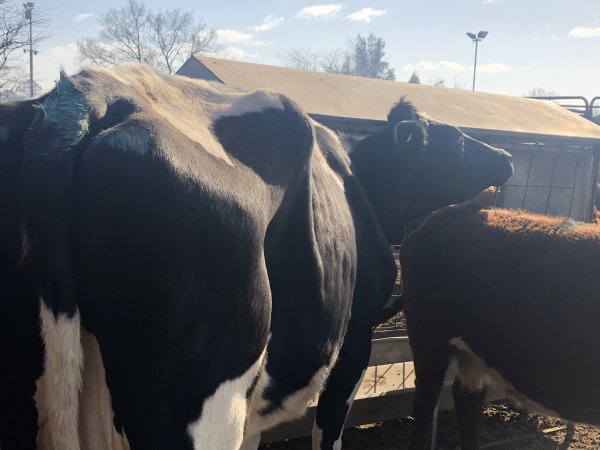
(414, 78)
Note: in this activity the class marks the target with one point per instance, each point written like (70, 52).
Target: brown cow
(514, 297)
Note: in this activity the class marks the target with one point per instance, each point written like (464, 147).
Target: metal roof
(367, 99)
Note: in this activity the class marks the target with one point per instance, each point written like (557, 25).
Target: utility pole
(476, 38)
(28, 13)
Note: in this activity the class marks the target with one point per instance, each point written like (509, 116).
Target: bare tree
(301, 58)
(337, 62)
(438, 82)
(178, 36)
(459, 83)
(14, 36)
(540, 92)
(134, 33)
(363, 58)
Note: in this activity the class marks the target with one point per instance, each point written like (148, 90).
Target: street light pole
(476, 38)
(475, 63)
(28, 13)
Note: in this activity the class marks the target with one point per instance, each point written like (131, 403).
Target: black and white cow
(20, 341)
(227, 253)
(514, 297)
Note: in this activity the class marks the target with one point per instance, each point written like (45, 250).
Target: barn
(556, 155)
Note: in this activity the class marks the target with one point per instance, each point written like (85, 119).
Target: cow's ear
(403, 110)
(409, 137)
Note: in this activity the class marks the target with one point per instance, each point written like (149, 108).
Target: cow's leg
(21, 362)
(468, 405)
(431, 362)
(343, 383)
(18, 415)
(19, 418)
(58, 400)
(97, 429)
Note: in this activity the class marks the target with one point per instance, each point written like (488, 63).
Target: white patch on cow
(474, 374)
(337, 445)
(224, 414)
(292, 407)
(58, 388)
(96, 426)
(254, 101)
(4, 135)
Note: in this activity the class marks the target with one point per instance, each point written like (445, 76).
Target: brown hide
(521, 291)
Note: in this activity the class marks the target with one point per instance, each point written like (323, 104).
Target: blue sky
(552, 44)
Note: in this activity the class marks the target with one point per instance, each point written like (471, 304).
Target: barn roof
(348, 98)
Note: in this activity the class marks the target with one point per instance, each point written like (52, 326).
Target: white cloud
(234, 53)
(585, 32)
(83, 16)
(366, 14)
(493, 68)
(226, 36)
(489, 2)
(428, 66)
(320, 11)
(234, 37)
(48, 63)
(451, 66)
(258, 43)
(269, 23)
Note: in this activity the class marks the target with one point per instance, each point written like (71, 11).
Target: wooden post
(594, 182)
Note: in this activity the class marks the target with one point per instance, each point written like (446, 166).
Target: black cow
(514, 297)
(222, 249)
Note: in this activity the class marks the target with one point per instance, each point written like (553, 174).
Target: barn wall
(194, 69)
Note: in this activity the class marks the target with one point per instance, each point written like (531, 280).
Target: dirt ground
(501, 423)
